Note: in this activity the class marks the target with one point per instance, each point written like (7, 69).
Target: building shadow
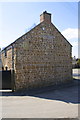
(68, 93)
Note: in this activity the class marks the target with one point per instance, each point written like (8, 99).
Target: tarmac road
(58, 103)
(51, 104)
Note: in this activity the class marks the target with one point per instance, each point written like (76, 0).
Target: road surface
(58, 103)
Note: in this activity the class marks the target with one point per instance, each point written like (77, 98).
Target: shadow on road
(68, 93)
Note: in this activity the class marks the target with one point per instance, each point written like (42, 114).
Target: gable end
(62, 35)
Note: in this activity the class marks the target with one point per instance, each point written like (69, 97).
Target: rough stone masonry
(41, 57)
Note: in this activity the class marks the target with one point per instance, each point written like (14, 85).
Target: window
(6, 68)
(5, 53)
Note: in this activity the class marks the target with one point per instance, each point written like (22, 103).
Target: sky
(16, 18)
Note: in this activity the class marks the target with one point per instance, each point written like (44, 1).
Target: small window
(6, 68)
(5, 53)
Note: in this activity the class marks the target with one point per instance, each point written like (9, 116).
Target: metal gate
(6, 79)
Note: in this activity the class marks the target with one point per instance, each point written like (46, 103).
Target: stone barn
(39, 58)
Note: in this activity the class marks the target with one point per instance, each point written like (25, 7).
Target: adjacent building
(0, 61)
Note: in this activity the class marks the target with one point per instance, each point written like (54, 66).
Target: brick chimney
(45, 17)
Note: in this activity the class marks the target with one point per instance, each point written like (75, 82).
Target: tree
(78, 62)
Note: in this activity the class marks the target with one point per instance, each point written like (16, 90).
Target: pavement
(49, 102)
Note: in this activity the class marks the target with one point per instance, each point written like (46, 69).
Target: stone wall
(43, 57)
